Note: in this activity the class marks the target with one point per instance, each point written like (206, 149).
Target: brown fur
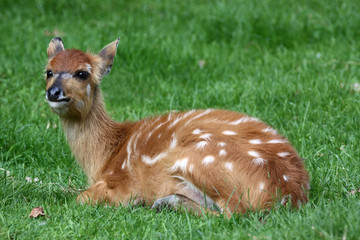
(157, 157)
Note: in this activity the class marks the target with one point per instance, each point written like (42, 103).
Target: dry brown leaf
(201, 63)
(353, 192)
(37, 212)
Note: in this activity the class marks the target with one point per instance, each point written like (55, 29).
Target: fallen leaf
(36, 212)
(353, 192)
(202, 63)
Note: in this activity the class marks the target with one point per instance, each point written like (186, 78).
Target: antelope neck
(89, 138)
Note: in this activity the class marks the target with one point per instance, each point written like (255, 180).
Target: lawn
(293, 64)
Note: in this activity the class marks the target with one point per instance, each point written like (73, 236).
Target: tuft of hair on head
(56, 46)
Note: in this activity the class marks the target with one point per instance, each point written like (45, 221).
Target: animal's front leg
(97, 193)
(180, 202)
(100, 192)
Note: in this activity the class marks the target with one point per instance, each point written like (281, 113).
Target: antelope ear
(55, 46)
(107, 54)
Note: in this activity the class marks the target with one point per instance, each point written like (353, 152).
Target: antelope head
(72, 78)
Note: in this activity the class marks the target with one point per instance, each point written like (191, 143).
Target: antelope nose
(55, 94)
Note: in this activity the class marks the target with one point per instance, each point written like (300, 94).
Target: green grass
(289, 63)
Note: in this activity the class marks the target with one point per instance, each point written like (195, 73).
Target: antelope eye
(49, 74)
(83, 75)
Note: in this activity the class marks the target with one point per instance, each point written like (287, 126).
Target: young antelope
(212, 160)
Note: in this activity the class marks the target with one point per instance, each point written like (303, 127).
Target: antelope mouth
(62, 100)
(60, 103)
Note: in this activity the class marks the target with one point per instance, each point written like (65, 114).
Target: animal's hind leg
(180, 202)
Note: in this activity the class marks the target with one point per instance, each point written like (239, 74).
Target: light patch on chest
(88, 90)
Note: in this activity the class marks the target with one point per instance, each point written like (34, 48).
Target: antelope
(213, 160)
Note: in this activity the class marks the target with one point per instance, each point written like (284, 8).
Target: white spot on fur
(221, 144)
(255, 141)
(152, 131)
(128, 149)
(88, 90)
(208, 159)
(283, 201)
(158, 126)
(148, 160)
(283, 154)
(253, 154)
(269, 129)
(222, 152)
(123, 165)
(275, 141)
(169, 117)
(286, 178)
(179, 164)
(259, 161)
(261, 186)
(191, 168)
(228, 165)
(206, 136)
(185, 115)
(244, 120)
(227, 132)
(173, 142)
(197, 131)
(201, 145)
(198, 116)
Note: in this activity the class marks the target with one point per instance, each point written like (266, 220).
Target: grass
(292, 64)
